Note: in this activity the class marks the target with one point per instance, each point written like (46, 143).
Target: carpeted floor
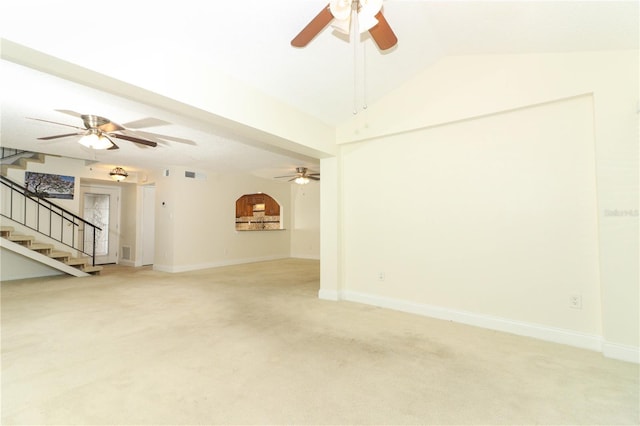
(252, 344)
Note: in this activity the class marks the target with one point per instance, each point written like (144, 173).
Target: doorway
(101, 206)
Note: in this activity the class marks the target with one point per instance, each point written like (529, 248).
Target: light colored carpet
(252, 344)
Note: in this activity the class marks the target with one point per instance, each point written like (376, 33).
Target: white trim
(309, 257)
(115, 214)
(186, 268)
(328, 294)
(621, 352)
(550, 334)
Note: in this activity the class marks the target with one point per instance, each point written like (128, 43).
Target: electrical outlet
(575, 301)
(380, 276)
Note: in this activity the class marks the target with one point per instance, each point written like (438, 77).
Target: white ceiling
(249, 40)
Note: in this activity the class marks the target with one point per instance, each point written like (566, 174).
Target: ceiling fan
(368, 17)
(99, 132)
(302, 176)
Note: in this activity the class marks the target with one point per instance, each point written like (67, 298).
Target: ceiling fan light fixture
(302, 180)
(118, 174)
(340, 9)
(365, 10)
(94, 140)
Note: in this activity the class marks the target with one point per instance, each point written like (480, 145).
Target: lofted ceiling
(248, 41)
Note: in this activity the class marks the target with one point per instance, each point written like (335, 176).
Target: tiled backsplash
(257, 222)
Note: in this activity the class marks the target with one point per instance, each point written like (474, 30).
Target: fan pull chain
(355, 31)
(364, 76)
(358, 90)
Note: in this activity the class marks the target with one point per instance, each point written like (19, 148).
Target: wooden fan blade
(48, 138)
(113, 144)
(313, 177)
(55, 122)
(383, 34)
(132, 139)
(278, 177)
(313, 28)
(111, 127)
(165, 137)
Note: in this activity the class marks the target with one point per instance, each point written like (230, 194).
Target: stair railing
(41, 215)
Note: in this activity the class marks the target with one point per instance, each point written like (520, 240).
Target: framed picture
(45, 185)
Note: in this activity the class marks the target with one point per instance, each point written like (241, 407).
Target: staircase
(29, 212)
(81, 264)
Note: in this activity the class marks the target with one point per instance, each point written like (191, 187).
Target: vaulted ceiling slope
(225, 75)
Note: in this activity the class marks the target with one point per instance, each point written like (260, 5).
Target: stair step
(91, 269)
(24, 161)
(21, 239)
(76, 261)
(4, 169)
(6, 231)
(41, 247)
(62, 256)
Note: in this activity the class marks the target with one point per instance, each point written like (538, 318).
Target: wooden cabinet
(245, 205)
(254, 199)
(243, 208)
(271, 207)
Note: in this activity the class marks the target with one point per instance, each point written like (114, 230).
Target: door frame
(147, 225)
(114, 218)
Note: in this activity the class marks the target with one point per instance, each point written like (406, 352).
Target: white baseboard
(217, 264)
(550, 334)
(126, 262)
(621, 352)
(305, 256)
(328, 295)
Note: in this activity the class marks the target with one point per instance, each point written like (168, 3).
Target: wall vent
(195, 175)
(126, 253)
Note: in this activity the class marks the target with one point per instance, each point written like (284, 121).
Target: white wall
(330, 230)
(59, 166)
(195, 227)
(488, 182)
(128, 221)
(495, 216)
(17, 267)
(305, 220)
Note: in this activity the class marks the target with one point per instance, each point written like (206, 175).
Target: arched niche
(257, 212)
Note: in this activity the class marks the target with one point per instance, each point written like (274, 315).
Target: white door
(148, 224)
(101, 206)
